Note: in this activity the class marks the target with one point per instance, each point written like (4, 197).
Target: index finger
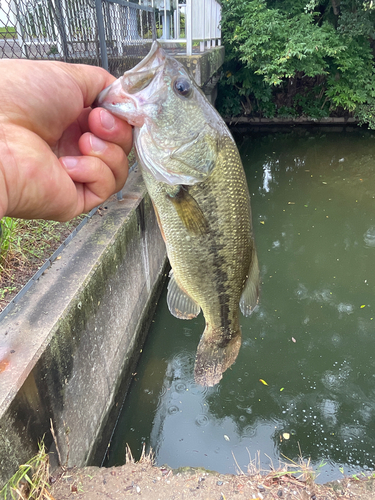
(90, 79)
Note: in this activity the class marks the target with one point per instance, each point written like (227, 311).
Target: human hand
(58, 157)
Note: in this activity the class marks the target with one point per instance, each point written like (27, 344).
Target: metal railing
(105, 32)
(189, 22)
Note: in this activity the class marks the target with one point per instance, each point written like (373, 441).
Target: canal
(304, 381)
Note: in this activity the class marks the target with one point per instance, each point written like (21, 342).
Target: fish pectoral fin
(180, 304)
(250, 295)
(189, 212)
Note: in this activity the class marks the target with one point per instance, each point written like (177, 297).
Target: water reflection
(311, 339)
(369, 237)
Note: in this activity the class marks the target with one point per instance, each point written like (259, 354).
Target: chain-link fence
(112, 33)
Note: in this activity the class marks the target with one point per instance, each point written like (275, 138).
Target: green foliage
(7, 32)
(235, 87)
(312, 103)
(277, 46)
(286, 112)
(365, 113)
(54, 50)
(31, 479)
(273, 44)
(31, 239)
(7, 229)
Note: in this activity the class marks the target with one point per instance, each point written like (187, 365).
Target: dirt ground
(144, 481)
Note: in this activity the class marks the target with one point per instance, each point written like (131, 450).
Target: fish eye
(182, 87)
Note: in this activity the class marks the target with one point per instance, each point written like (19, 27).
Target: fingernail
(107, 120)
(97, 145)
(69, 162)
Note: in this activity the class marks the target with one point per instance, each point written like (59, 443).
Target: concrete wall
(66, 344)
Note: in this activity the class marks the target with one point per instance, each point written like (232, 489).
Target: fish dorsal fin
(189, 212)
(250, 294)
(180, 304)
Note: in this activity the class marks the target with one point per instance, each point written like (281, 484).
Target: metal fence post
(153, 24)
(189, 27)
(61, 28)
(101, 34)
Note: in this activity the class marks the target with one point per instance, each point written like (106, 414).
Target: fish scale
(194, 175)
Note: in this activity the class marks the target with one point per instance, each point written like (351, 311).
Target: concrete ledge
(301, 120)
(65, 345)
(203, 65)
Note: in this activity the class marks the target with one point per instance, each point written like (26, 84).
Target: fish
(194, 176)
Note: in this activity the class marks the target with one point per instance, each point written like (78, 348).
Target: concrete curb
(77, 334)
(301, 120)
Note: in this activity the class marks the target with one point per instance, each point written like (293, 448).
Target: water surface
(312, 339)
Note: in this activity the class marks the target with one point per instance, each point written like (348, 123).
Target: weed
(31, 480)
(302, 470)
(7, 230)
(6, 290)
(30, 239)
(53, 50)
(146, 457)
(24, 246)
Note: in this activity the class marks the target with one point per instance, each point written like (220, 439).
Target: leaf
(227, 438)
(282, 388)
(294, 340)
(263, 381)
(362, 306)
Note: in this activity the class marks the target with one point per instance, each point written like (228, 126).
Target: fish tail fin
(217, 351)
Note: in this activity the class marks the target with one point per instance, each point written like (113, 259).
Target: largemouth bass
(194, 175)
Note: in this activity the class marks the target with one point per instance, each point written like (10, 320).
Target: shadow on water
(312, 339)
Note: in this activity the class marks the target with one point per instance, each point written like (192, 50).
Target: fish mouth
(155, 58)
(125, 97)
(111, 97)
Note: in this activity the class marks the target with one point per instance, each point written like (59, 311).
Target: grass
(146, 457)
(298, 475)
(24, 246)
(31, 481)
(8, 32)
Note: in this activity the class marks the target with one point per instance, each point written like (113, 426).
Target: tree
(317, 55)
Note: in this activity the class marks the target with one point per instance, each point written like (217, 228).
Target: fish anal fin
(180, 304)
(189, 212)
(250, 295)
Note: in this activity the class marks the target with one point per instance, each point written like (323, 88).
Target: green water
(312, 339)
